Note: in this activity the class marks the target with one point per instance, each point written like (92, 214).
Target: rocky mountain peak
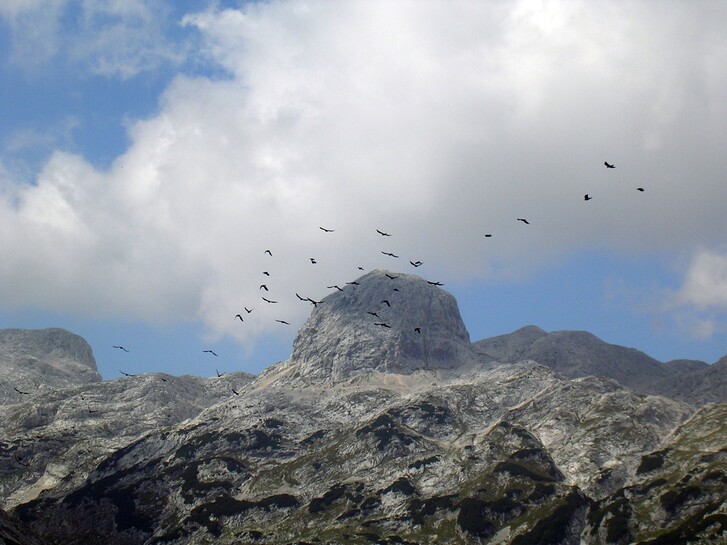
(385, 321)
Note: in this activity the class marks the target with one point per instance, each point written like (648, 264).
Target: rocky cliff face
(373, 434)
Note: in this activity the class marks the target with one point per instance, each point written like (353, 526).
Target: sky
(150, 152)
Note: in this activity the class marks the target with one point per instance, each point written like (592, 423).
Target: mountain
(37, 360)
(373, 434)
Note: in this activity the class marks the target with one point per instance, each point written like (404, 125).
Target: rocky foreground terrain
(403, 433)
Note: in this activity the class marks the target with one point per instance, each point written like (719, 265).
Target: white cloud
(705, 283)
(436, 122)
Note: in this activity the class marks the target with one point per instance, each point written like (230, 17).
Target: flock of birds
(374, 313)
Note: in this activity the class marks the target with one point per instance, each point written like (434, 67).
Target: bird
(235, 392)
(282, 322)
(248, 310)
(391, 276)
(389, 254)
(382, 233)
(608, 165)
(586, 197)
(526, 222)
(334, 286)
(382, 324)
(360, 268)
(639, 189)
(325, 230)
(313, 260)
(266, 273)
(353, 283)
(435, 283)
(264, 287)
(373, 313)
(268, 300)
(418, 329)
(488, 235)
(218, 373)
(21, 392)
(239, 316)
(386, 302)
(314, 303)
(210, 352)
(126, 374)
(416, 263)
(300, 297)
(121, 348)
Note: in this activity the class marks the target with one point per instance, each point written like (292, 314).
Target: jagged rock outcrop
(36, 360)
(374, 434)
(416, 326)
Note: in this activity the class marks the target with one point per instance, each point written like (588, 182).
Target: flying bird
(418, 329)
(382, 324)
(299, 297)
(639, 189)
(121, 348)
(526, 222)
(608, 165)
(382, 233)
(334, 286)
(210, 352)
(488, 235)
(416, 263)
(313, 260)
(266, 273)
(435, 283)
(386, 302)
(353, 283)
(248, 310)
(218, 373)
(21, 392)
(282, 322)
(264, 287)
(239, 316)
(360, 268)
(391, 276)
(314, 303)
(268, 252)
(586, 197)
(268, 300)
(235, 392)
(325, 230)
(126, 374)
(373, 313)
(389, 254)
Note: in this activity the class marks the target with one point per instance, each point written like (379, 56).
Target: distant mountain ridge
(403, 433)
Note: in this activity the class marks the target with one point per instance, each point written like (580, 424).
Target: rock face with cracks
(374, 434)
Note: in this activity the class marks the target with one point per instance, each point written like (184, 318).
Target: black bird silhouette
(334, 286)
(268, 252)
(266, 273)
(21, 392)
(163, 379)
(435, 283)
(382, 324)
(325, 230)
(524, 221)
(416, 263)
(382, 233)
(396, 289)
(389, 254)
(386, 302)
(218, 373)
(239, 316)
(264, 287)
(301, 298)
(353, 283)
(313, 260)
(210, 352)
(314, 303)
(248, 310)
(282, 322)
(608, 165)
(121, 348)
(126, 374)
(360, 268)
(418, 329)
(235, 392)
(268, 300)
(391, 276)
(373, 313)
(586, 197)
(639, 189)
(488, 235)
